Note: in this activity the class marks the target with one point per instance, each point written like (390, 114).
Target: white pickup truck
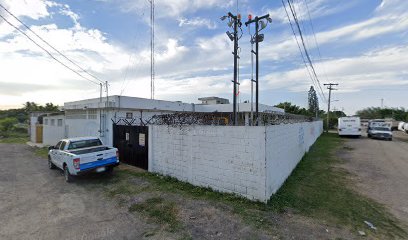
(76, 156)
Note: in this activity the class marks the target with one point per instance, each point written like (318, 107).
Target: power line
(315, 39)
(48, 44)
(305, 48)
(301, 52)
(45, 50)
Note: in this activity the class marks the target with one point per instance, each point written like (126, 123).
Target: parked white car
(349, 126)
(401, 126)
(405, 127)
(76, 156)
(380, 132)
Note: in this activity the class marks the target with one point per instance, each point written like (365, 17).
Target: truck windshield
(84, 144)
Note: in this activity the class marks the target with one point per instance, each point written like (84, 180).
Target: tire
(68, 177)
(50, 164)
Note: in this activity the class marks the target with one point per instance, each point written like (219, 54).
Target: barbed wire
(181, 119)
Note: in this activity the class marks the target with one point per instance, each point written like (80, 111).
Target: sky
(359, 44)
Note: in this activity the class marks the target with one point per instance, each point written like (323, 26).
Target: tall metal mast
(152, 72)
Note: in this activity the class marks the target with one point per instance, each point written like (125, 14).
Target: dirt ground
(380, 169)
(36, 203)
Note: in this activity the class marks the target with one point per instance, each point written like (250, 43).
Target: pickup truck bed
(88, 150)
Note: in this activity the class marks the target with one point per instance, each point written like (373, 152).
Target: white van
(349, 126)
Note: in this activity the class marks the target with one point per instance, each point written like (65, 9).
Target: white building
(54, 128)
(252, 161)
(95, 117)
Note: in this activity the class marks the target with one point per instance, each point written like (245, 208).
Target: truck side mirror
(51, 147)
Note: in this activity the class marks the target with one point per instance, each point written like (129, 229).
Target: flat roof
(136, 103)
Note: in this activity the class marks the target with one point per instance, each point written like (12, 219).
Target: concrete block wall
(224, 158)
(249, 161)
(286, 144)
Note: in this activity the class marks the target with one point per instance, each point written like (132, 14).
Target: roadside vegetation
(317, 189)
(12, 132)
(320, 188)
(14, 122)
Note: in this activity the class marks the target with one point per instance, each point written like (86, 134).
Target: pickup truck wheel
(50, 164)
(67, 175)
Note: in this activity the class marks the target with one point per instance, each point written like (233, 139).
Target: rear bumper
(381, 137)
(93, 169)
(344, 133)
(92, 166)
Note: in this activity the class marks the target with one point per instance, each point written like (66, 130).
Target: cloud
(316, 9)
(173, 8)
(379, 68)
(197, 22)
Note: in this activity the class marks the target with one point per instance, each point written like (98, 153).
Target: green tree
(399, 114)
(7, 124)
(291, 108)
(32, 107)
(313, 102)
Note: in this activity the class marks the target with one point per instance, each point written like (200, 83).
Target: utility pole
(100, 109)
(257, 39)
(382, 102)
(152, 72)
(330, 87)
(107, 94)
(235, 20)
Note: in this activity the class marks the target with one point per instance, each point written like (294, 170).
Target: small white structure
(53, 129)
(36, 129)
(214, 100)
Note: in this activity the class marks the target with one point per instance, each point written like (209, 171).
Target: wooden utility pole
(330, 87)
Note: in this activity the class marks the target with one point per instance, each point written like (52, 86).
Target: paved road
(36, 203)
(381, 169)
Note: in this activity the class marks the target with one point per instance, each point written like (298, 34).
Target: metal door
(132, 143)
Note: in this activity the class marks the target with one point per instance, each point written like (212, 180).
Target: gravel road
(381, 170)
(36, 203)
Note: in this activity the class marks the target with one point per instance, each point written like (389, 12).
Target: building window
(45, 121)
(59, 123)
(52, 122)
(129, 115)
(75, 114)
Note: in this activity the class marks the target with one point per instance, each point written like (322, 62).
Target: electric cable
(48, 44)
(45, 50)
(300, 50)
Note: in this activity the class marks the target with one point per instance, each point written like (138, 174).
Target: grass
(317, 188)
(160, 211)
(41, 152)
(15, 138)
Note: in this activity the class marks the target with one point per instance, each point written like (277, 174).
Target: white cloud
(380, 68)
(173, 8)
(317, 9)
(197, 22)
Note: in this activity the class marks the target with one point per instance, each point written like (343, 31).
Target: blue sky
(362, 43)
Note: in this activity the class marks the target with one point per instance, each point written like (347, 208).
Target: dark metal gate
(132, 143)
